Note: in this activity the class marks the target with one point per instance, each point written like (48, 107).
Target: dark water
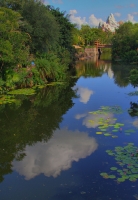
(49, 148)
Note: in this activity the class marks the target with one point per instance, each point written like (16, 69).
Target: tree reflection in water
(32, 119)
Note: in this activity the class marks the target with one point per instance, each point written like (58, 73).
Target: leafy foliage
(13, 43)
(125, 43)
(29, 30)
(88, 35)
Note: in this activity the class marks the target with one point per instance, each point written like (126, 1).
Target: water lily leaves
(132, 179)
(103, 130)
(108, 109)
(98, 133)
(104, 175)
(114, 136)
(131, 144)
(113, 168)
(112, 176)
(120, 179)
(106, 123)
(130, 131)
(107, 134)
(119, 170)
(127, 160)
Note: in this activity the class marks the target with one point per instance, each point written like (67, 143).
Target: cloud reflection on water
(92, 121)
(84, 94)
(135, 123)
(56, 155)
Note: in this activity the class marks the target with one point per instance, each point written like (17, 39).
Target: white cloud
(135, 13)
(130, 18)
(84, 94)
(56, 155)
(110, 73)
(93, 21)
(117, 14)
(77, 20)
(132, 5)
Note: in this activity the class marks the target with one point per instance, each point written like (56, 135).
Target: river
(76, 141)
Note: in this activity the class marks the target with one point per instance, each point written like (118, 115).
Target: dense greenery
(35, 44)
(125, 43)
(88, 35)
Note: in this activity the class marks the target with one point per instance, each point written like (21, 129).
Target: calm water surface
(49, 148)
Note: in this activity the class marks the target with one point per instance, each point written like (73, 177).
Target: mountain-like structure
(110, 24)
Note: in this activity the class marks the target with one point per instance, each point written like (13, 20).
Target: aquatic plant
(108, 109)
(107, 125)
(127, 159)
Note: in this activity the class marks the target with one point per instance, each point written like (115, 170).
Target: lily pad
(120, 179)
(127, 157)
(113, 168)
(98, 133)
(114, 136)
(112, 176)
(107, 134)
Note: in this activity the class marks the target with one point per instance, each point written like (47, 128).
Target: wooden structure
(98, 45)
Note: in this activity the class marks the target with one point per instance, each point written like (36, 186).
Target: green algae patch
(26, 91)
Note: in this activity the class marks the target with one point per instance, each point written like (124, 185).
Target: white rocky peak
(110, 24)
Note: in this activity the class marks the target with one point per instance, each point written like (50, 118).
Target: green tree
(13, 43)
(66, 29)
(125, 43)
(42, 26)
(90, 35)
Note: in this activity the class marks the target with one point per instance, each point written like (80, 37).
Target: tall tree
(66, 30)
(42, 26)
(13, 43)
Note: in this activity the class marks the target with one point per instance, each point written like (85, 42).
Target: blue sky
(94, 11)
